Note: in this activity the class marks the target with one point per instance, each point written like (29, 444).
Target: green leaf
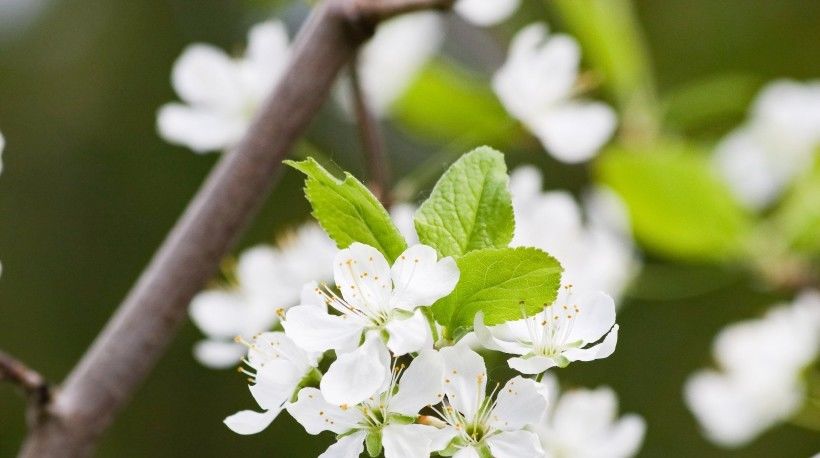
(373, 442)
(679, 208)
(503, 283)
(348, 211)
(470, 207)
(717, 101)
(447, 102)
(798, 217)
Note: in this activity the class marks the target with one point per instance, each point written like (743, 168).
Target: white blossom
(584, 424)
(376, 298)
(537, 85)
(486, 12)
(596, 252)
(389, 411)
(221, 94)
(565, 331)
(759, 381)
(477, 423)
(277, 366)
(384, 73)
(268, 281)
(777, 142)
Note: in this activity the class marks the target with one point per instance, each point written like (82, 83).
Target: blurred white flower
(584, 424)
(403, 215)
(486, 12)
(537, 86)
(777, 142)
(477, 424)
(2, 146)
(598, 254)
(221, 94)
(563, 332)
(392, 59)
(277, 367)
(268, 281)
(759, 382)
(388, 413)
(376, 297)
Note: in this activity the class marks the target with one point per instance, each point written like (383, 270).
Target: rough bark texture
(127, 349)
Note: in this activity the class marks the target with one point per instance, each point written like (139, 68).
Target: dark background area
(88, 192)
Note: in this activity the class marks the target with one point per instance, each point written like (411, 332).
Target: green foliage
(470, 207)
(447, 102)
(678, 206)
(504, 284)
(705, 102)
(798, 217)
(348, 211)
(611, 38)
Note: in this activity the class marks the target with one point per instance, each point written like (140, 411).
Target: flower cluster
(761, 378)
(390, 390)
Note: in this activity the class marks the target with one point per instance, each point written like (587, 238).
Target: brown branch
(129, 346)
(371, 139)
(33, 385)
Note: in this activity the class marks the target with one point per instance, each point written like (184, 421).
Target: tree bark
(127, 349)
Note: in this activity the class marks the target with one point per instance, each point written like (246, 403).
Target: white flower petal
(249, 422)
(500, 338)
(408, 441)
(205, 76)
(466, 452)
(582, 414)
(600, 351)
(363, 276)
(317, 415)
(531, 365)
(266, 56)
(595, 316)
(409, 334)
(276, 383)
(357, 375)
(218, 313)
(403, 215)
(315, 330)
(486, 12)
(515, 444)
(350, 446)
(733, 410)
(574, 131)
(386, 74)
(216, 354)
(420, 384)
(539, 72)
(465, 379)
(199, 129)
(419, 279)
(751, 171)
(624, 437)
(518, 404)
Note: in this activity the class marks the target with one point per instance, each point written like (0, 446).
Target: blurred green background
(88, 191)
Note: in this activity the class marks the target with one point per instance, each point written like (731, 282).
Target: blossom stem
(371, 139)
(127, 349)
(30, 381)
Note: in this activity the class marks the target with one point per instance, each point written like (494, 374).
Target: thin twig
(138, 334)
(371, 139)
(33, 385)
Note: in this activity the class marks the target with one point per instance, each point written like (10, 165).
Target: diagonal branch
(138, 334)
